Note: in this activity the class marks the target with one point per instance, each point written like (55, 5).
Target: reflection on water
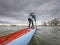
(43, 36)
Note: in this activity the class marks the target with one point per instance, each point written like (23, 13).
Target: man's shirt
(30, 17)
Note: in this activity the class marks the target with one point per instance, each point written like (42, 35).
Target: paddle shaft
(35, 24)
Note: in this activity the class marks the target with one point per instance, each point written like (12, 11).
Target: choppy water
(44, 35)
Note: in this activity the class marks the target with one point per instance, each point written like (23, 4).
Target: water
(44, 35)
(4, 30)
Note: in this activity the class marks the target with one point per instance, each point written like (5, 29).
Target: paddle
(36, 25)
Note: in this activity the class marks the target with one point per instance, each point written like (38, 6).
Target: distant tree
(49, 23)
(44, 23)
(55, 21)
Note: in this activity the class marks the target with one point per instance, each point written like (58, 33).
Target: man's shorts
(30, 20)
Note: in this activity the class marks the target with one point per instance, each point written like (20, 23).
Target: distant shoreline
(26, 26)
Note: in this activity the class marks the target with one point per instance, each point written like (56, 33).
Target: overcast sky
(17, 11)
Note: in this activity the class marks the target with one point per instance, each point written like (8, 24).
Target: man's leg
(32, 24)
(29, 23)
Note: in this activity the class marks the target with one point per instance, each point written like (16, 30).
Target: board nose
(10, 37)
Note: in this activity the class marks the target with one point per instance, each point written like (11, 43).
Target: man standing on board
(31, 19)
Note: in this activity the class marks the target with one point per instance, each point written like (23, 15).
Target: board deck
(19, 37)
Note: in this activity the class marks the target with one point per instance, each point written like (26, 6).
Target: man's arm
(35, 18)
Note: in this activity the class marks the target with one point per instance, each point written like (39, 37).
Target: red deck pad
(10, 37)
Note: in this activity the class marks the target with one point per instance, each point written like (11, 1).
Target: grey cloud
(3, 22)
(20, 9)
